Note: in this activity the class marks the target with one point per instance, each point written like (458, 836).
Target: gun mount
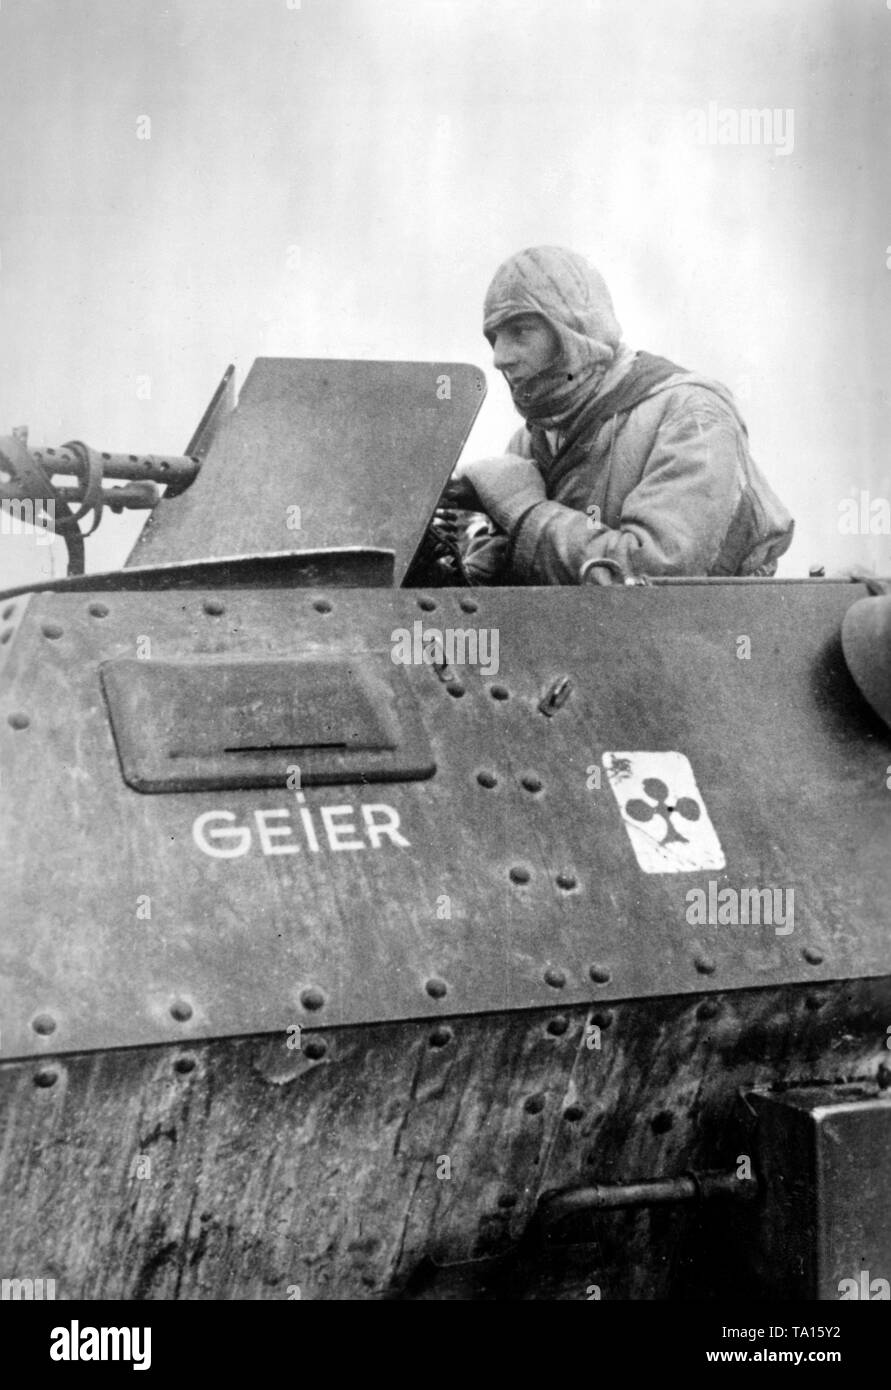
(32, 487)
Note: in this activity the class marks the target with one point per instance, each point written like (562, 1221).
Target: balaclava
(572, 296)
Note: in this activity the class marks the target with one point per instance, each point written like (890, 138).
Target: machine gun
(32, 490)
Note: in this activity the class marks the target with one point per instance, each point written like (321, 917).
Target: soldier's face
(524, 346)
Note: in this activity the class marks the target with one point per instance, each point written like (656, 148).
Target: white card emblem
(667, 822)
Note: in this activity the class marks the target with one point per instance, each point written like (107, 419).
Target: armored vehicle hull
(366, 941)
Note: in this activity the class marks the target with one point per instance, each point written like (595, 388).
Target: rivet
(704, 964)
(567, 882)
(214, 608)
(51, 630)
(662, 1123)
(708, 1009)
(531, 782)
(437, 989)
(5, 636)
(18, 721)
(813, 1002)
(315, 1048)
(468, 605)
(572, 1113)
(812, 955)
(602, 1018)
(428, 604)
(558, 1025)
(533, 1105)
(441, 1037)
(8, 612)
(183, 1065)
(323, 605)
(499, 692)
(181, 1010)
(47, 1076)
(98, 610)
(519, 874)
(312, 998)
(599, 974)
(507, 1200)
(44, 1024)
(555, 978)
(455, 688)
(487, 779)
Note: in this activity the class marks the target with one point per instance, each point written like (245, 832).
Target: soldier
(627, 464)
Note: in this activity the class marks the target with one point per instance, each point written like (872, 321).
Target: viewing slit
(274, 748)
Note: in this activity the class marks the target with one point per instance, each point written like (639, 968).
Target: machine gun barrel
(28, 484)
(176, 470)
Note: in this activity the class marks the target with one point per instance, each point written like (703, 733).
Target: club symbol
(657, 791)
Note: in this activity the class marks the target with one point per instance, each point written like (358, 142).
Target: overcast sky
(341, 178)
